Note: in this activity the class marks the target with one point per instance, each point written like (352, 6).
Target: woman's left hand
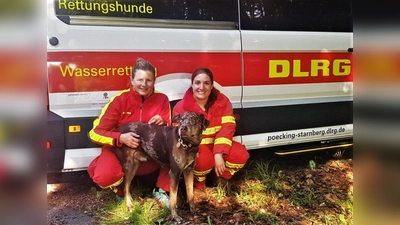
(219, 164)
(157, 119)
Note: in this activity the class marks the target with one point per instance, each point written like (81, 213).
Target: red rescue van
(285, 66)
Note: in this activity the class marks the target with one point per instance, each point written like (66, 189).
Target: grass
(269, 178)
(145, 211)
(263, 216)
(266, 195)
(305, 198)
(142, 213)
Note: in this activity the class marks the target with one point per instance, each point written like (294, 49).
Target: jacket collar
(137, 96)
(190, 103)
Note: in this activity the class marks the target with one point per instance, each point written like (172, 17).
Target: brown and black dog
(173, 147)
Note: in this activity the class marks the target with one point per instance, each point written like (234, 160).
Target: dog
(173, 147)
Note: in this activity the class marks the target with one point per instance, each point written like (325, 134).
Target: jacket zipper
(141, 109)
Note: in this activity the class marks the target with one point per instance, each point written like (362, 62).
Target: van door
(297, 71)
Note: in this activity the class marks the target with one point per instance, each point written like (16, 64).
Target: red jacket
(222, 122)
(127, 106)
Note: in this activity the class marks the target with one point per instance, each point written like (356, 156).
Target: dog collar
(180, 142)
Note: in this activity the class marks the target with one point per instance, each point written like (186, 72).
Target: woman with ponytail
(217, 149)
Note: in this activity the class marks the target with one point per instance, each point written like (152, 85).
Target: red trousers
(235, 160)
(106, 170)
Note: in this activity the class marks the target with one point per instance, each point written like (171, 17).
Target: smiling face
(143, 82)
(202, 86)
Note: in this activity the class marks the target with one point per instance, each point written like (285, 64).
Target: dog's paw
(129, 204)
(177, 219)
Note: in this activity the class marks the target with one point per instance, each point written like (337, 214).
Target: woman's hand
(219, 164)
(157, 119)
(132, 140)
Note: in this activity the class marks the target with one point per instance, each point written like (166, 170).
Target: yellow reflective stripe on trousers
(207, 141)
(114, 184)
(212, 130)
(201, 179)
(232, 171)
(201, 173)
(223, 141)
(233, 165)
(227, 119)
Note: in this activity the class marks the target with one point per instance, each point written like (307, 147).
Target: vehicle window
(296, 15)
(204, 10)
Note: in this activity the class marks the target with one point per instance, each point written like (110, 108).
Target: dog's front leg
(188, 176)
(131, 166)
(173, 193)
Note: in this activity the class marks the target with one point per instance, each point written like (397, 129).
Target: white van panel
(255, 41)
(290, 94)
(266, 140)
(79, 159)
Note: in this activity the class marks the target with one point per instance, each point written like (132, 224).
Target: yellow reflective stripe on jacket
(207, 141)
(223, 141)
(227, 119)
(201, 173)
(99, 138)
(233, 165)
(212, 130)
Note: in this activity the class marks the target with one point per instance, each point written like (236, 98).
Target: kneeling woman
(217, 149)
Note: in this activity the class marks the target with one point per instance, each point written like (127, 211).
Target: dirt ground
(74, 200)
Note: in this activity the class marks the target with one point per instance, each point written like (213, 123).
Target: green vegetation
(145, 211)
(260, 194)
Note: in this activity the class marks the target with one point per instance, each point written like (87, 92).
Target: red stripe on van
(297, 68)
(106, 71)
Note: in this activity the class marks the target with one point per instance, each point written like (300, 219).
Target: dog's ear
(206, 122)
(176, 118)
